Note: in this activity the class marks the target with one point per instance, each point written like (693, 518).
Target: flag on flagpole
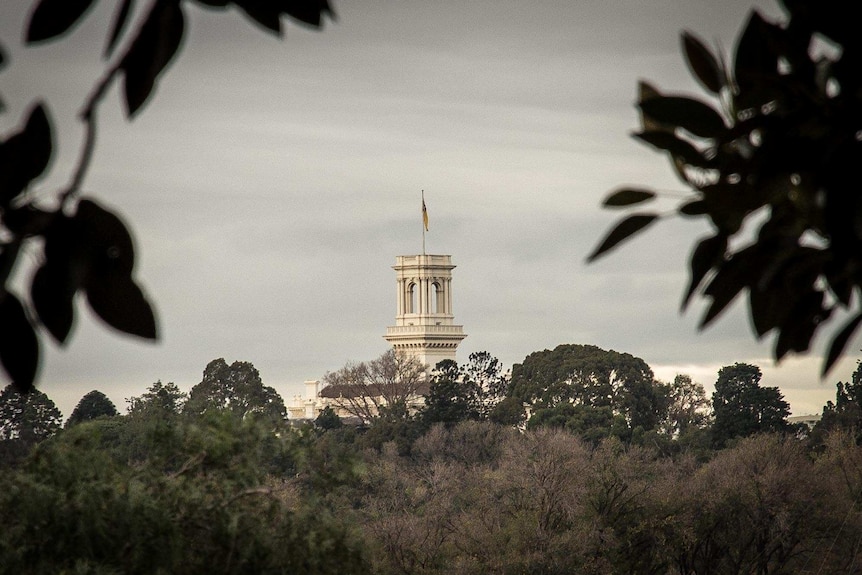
(424, 214)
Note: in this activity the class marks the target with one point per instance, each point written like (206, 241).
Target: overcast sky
(270, 185)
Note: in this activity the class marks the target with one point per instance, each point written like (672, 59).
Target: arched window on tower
(411, 298)
(439, 299)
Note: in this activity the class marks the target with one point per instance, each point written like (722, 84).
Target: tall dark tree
(484, 373)
(93, 405)
(588, 375)
(161, 399)
(450, 399)
(845, 412)
(742, 407)
(688, 406)
(470, 391)
(327, 419)
(237, 389)
(31, 416)
(778, 135)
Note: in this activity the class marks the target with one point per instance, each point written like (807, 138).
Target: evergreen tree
(92, 405)
(328, 419)
(160, 398)
(237, 389)
(450, 399)
(742, 407)
(845, 412)
(25, 420)
(590, 376)
(30, 417)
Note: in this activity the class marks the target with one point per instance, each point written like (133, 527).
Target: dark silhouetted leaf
(38, 146)
(265, 12)
(841, 283)
(839, 342)
(55, 283)
(121, 304)
(786, 285)
(693, 208)
(268, 13)
(645, 92)
(25, 155)
(627, 197)
(769, 308)
(27, 220)
(668, 142)
(754, 62)
(54, 17)
(309, 11)
(702, 63)
(708, 253)
(108, 243)
(91, 250)
(120, 21)
(728, 204)
(19, 347)
(151, 51)
(84, 251)
(64, 245)
(730, 279)
(687, 113)
(796, 333)
(622, 231)
(52, 293)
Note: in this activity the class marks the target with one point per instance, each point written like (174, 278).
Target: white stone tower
(424, 326)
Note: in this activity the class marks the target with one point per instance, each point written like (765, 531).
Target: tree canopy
(236, 389)
(30, 416)
(470, 391)
(588, 375)
(449, 399)
(160, 398)
(742, 407)
(688, 406)
(93, 405)
(845, 413)
(777, 137)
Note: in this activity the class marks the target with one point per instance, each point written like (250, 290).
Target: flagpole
(424, 220)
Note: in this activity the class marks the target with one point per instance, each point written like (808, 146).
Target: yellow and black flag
(424, 212)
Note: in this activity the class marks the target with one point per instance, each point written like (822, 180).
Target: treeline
(219, 480)
(478, 498)
(593, 393)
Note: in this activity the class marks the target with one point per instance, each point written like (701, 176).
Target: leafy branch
(782, 138)
(88, 249)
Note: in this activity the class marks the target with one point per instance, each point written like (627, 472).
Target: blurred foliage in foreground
(771, 160)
